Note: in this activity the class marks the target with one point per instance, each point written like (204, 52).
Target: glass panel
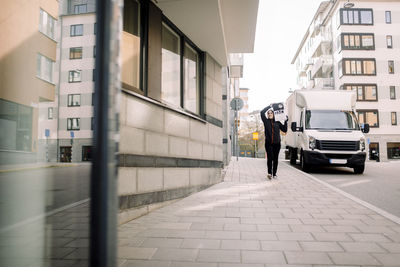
(358, 65)
(389, 41)
(357, 41)
(191, 79)
(393, 150)
(353, 67)
(171, 67)
(350, 13)
(369, 67)
(370, 92)
(331, 119)
(346, 40)
(361, 117)
(392, 92)
(372, 118)
(394, 118)
(351, 40)
(367, 41)
(344, 17)
(391, 66)
(75, 53)
(366, 16)
(347, 67)
(360, 93)
(388, 17)
(130, 45)
(356, 19)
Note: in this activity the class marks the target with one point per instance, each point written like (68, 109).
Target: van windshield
(331, 120)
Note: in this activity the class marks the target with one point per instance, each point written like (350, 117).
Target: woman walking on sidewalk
(272, 130)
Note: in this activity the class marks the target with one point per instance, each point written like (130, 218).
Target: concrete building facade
(355, 46)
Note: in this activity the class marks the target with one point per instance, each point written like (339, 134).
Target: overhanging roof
(219, 27)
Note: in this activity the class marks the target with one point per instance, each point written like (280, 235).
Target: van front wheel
(304, 166)
(359, 169)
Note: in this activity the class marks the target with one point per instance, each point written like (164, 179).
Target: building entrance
(374, 151)
(65, 153)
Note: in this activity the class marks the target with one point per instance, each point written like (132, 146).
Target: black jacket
(272, 128)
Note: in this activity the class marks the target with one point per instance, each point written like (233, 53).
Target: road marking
(355, 182)
(385, 214)
(38, 217)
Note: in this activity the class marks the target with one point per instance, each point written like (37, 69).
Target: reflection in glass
(331, 120)
(366, 16)
(369, 67)
(171, 67)
(130, 45)
(191, 83)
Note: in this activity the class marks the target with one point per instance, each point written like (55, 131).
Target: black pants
(272, 157)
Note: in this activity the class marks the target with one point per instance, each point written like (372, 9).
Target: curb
(385, 214)
(37, 167)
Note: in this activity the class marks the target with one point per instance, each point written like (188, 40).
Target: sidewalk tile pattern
(250, 221)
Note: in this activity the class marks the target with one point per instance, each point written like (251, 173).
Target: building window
(45, 68)
(74, 76)
(94, 51)
(191, 79)
(388, 17)
(389, 41)
(171, 66)
(356, 16)
(73, 124)
(357, 67)
(74, 100)
(80, 9)
(357, 41)
(92, 123)
(94, 75)
(95, 28)
(394, 118)
(391, 66)
(130, 46)
(393, 150)
(365, 92)
(92, 99)
(75, 53)
(76, 30)
(368, 116)
(46, 24)
(392, 92)
(50, 113)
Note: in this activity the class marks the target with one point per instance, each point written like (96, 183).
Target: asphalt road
(379, 185)
(28, 193)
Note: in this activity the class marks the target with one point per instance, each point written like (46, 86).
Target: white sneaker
(275, 177)
(269, 176)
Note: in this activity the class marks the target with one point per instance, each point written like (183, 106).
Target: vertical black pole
(103, 204)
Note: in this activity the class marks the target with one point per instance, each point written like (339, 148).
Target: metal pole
(237, 137)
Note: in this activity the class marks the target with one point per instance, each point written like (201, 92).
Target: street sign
(255, 136)
(237, 103)
(47, 132)
(72, 134)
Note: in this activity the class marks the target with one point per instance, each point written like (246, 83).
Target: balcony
(324, 83)
(322, 66)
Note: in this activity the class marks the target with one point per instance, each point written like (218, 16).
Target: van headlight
(362, 144)
(311, 142)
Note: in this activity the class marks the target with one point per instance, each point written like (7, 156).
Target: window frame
(361, 47)
(70, 100)
(394, 123)
(358, 10)
(201, 71)
(391, 66)
(342, 63)
(394, 92)
(72, 80)
(70, 125)
(50, 113)
(388, 17)
(73, 52)
(365, 111)
(72, 30)
(79, 6)
(53, 27)
(52, 68)
(389, 37)
(363, 85)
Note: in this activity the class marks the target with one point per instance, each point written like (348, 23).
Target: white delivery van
(324, 129)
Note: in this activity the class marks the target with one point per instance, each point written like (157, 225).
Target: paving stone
(262, 257)
(255, 221)
(317, 221)
(222, 235)
(361, 247)
(207, 226)
(353, 258)
(295, 236)
(332, 237)
(240, 244)
(307, 228)
(135, 253)
(280, 245)
(169, 254)
(273, 228)
(192, 264)
(240, 227)
(391, 247)
(258, 235)
(285, 221)
(369, 237)
(162, 243)
(142, 263)
(307, 258)
(201, 243)
(340, 229)
(240, 265)
(218, 256)
(321, 246)
(388, 259)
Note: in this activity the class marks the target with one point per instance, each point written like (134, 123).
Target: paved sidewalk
(249, 221)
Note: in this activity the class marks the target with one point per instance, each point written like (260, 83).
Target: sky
(268, 72)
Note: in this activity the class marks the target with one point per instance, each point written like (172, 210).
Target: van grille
(338, 145)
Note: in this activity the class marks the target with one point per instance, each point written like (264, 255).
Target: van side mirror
(293, 126)
(365, 128)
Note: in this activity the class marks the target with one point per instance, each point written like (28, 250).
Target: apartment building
(66, 124)
(355, 45)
